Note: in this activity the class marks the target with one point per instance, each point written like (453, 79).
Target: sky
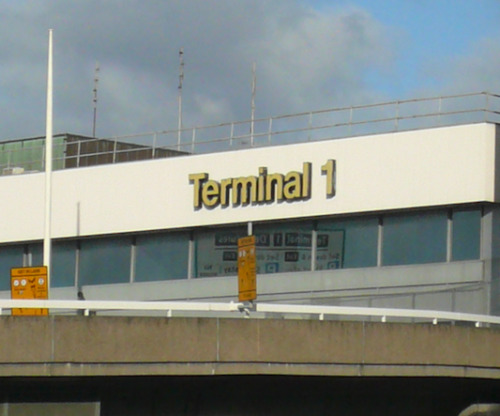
(309, 55)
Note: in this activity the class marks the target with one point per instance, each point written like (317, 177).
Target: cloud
(305, 60)
(321, 59)
(475, 71)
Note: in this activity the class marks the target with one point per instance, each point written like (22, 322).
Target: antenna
(254, 85)
(96, 81)
(181, 79)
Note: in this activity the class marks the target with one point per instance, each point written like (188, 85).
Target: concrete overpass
(188, 366)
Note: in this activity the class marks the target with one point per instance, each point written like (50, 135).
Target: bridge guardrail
(248, 310)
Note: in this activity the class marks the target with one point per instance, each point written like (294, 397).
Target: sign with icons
(247, 279)
(29, 283)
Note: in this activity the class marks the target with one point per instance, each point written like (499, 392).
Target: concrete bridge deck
(217, 366)
(131, 346)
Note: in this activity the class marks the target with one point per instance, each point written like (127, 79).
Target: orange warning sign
(29, 283)
(247, 276)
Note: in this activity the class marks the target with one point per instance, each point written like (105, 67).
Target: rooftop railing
(333, 123)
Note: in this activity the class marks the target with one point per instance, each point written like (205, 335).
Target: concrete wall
(121, 346)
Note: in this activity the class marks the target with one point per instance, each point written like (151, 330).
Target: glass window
(105, 260)
(10, 256)
(466, 234)
(283, 247)
(63, 264)
(162, 256)
(35, 255)
(216, 252)
(347, 243)
(415, 238)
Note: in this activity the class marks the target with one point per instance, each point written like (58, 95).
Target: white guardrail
(247, 310)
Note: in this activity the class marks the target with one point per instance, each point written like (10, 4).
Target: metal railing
(343, 122)
(249, 310)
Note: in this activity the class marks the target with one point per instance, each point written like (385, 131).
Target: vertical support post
(114, 151)
(29, 257)
(486, 106)
(77, 265)
(350, 121)
(449, 236)
(380, 241)
(191, 257)
(79, 151)
(270, 130)
(133, 259)
(153, 148)
(309, 125)
(440, 109)
(396, 119)
(490, 227)
(231, 134)
(193, 139)
(47, 255)
(314, 247)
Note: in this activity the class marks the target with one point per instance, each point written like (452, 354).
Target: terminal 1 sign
(264, 188)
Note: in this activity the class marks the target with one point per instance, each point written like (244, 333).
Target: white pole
(48, 168)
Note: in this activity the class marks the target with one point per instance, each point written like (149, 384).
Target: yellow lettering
(274, 187)
(293, 182)
(306, 180)
(329, 169)
(261, 194)
(210, 194)
(225, 187)
(241, 187)
(197, 179)
(259, 189)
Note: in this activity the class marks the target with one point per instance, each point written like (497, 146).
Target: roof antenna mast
(181, 79)
(96, 81)
(254, 87)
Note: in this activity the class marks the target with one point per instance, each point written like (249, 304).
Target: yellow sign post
(29, 283)
(247, 276)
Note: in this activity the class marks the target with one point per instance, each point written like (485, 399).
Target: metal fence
(343, 122)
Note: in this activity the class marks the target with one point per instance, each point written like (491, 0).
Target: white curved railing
(247, 310)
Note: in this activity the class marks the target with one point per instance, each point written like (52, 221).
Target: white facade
(407, 170)
(432, 171)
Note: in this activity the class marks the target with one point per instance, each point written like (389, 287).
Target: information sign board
(247, 276)
(29, 283)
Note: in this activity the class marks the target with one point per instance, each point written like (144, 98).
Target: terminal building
(391, 205)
